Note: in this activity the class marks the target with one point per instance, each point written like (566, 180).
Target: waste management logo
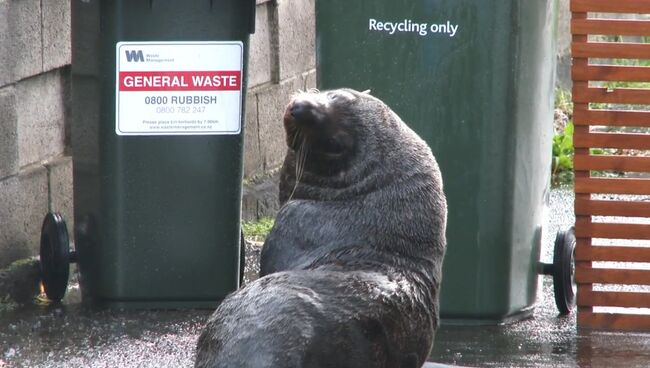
(178, 88)
(134, 55)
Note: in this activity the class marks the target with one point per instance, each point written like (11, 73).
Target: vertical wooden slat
(582, 244)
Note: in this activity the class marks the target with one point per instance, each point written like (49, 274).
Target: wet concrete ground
(73, 335)
(546, 339)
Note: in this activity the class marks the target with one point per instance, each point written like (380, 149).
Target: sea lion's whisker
(301, 158)
(295, 136)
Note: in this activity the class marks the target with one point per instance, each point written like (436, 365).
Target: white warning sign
(178, 88)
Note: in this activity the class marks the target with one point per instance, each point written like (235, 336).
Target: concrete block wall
(35, 151)
(35, 162)
(35, 169)
(282, 61)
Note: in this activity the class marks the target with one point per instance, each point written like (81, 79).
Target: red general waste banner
(216, 80)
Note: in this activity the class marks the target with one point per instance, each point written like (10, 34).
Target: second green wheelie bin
(158, 90)
(475, 79)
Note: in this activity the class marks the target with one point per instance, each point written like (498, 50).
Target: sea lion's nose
(306, 111)
(300, 110)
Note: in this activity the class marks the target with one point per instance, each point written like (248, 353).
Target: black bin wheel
(564, 283)
(55, 256)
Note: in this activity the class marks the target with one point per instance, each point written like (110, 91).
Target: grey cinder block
(259, 60)
(25, 203)
(56, 34)
(297, 37)
(20, 40)
(41, 117)
(252, 153)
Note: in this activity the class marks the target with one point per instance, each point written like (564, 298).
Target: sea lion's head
(344, 143)
(323, 123)
(330, 127)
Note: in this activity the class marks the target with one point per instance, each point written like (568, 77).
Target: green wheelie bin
(158, 92)
(475, 79)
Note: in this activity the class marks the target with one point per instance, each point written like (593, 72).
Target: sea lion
(351, 270)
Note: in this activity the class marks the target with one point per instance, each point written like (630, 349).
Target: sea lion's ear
(366, 92)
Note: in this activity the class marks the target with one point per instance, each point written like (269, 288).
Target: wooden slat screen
(611, 95)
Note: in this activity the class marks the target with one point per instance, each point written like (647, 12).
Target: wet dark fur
(351, 270)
